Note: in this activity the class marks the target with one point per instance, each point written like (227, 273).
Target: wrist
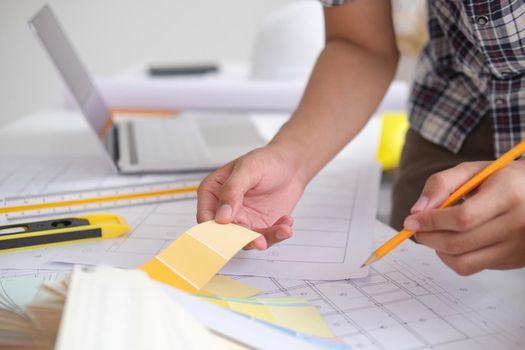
(293, 151)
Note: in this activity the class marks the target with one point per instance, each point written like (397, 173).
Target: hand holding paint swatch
(192, 260)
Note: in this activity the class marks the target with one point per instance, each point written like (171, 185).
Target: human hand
(257, 190)
(486, 231)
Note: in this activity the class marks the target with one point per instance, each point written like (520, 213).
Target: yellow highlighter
(79, 229)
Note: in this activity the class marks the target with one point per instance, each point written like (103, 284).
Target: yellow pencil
(461, 192)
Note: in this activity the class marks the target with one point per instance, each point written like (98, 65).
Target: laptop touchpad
(230, 134)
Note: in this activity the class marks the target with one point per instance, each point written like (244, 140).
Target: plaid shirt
(473, 66)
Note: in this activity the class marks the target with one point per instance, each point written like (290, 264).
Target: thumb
(232, 193)
(440, 185)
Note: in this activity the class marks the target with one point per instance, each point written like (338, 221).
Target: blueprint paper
(331, 221)
(332, 231)
(27, 176)
(410, 300)
(333, 225)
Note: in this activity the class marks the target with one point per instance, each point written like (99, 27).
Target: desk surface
(44, 134)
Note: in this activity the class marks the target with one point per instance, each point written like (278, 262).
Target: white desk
(42, 135)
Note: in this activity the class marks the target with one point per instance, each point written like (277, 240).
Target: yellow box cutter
(55, 232)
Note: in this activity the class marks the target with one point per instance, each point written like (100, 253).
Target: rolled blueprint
(218, 94)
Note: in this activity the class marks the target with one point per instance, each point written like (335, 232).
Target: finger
(232, 192)
(285, 220)
(207, 194)
(279, 231)
(478, 260)
(440, 185)
(456, 243)
(282, 230)
(272, 235)
(487, 204)
(206, 203)
(513, 262)
(490, 200)
(259, 243)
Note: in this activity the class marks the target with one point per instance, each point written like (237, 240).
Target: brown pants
(422, 158)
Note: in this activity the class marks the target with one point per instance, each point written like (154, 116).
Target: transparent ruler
(14, 208)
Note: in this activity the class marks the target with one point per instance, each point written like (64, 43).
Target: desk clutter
(307, 292)
(408, 300)
(109, 308)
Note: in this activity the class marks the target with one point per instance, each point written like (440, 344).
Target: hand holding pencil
(485, 231)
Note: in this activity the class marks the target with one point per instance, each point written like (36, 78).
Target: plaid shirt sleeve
(473, 66)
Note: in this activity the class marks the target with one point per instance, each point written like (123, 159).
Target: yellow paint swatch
(192, 260)
(292, 313)
(228, 288)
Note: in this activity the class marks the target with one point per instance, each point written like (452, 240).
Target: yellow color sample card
(192, 260)
(289, 312)
(228, 288)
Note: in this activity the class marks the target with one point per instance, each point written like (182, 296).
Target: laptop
(147, 143)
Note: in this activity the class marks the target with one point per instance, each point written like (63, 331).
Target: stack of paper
(117, 309)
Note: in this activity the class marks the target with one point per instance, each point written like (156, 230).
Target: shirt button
(482, 20)
(500, 101)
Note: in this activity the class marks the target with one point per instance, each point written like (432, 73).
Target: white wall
(111, 35)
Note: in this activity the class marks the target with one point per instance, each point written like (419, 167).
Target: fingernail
(420, 204)
(224, 212)
(412, 225)
(281, 235)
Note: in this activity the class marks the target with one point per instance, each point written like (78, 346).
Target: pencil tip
(371, 259)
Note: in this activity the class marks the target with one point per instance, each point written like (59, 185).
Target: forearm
(346, 86)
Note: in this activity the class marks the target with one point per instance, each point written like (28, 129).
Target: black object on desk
(190, 69)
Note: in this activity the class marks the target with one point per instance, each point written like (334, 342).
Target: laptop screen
(46, 27)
